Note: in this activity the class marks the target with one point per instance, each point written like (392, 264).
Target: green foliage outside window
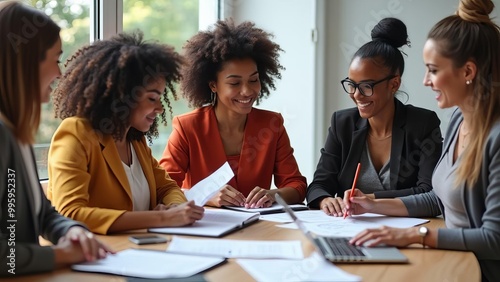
(167, 21)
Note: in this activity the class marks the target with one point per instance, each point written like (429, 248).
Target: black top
(416, 147)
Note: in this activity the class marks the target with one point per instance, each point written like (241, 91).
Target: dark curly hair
(102, 81)
(206, 51)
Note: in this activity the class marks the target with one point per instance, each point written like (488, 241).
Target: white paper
(398, 222)
(215, 222)
(150, 264)
(313, 268)
(349, 227)
(274, 208)
(305, 216)
(237, 248)
(208, 187)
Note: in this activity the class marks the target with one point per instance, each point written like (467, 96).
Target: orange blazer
(87, 181)
(195, 150)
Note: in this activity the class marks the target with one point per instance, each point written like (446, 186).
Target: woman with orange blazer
(101, 171)
(231, 67)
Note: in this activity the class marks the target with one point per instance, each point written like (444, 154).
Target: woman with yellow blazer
(232, 67)
(101, 171)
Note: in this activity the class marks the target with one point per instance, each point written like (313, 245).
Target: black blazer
(416, 147)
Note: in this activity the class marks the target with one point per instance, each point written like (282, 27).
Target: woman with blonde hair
(464, 72)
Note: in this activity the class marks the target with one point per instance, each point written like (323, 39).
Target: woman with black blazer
(397, 145)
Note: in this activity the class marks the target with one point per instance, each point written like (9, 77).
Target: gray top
(446, 189)
(369, 180)
(481, 203)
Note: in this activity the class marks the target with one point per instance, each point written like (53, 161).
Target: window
(170, 22)
(73, 18)
(167, 21)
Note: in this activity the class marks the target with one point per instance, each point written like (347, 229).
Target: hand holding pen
(352, 191)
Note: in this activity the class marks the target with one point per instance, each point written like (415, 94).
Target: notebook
(338, 249)
(150, 264)
(275, 208)
(215, 223)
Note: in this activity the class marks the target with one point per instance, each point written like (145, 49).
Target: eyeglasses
(365, 88)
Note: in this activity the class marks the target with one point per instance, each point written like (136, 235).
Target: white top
(33, 178)
(138, 183)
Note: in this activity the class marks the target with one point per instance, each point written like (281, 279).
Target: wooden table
(425, 264)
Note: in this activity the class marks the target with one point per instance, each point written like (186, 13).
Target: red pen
(353, 185)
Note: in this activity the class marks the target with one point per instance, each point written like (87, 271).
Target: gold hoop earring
(213, 98)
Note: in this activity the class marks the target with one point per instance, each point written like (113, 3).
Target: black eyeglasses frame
(371, 84)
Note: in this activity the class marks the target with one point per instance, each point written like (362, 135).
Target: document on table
(208, 187)
(237, 248)
(313, 268)
(150, 264)
(275, 208)
(305, 216)
(349, 227)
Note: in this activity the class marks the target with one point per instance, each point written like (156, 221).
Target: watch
(422, 232)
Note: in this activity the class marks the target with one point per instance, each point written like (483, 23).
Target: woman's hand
(399, 237)
(359, 203)
(333, 206)
(183, 214)
(259, 198)
(227, 196)
(79, 245)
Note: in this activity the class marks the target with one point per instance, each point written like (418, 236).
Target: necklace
(464, 136)
(383, 138)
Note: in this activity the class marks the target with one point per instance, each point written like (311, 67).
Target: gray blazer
(482, 206)
(22, 236)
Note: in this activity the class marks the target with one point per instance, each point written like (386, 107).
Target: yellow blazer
(87, 181)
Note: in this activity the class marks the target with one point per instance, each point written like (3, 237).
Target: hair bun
(476, 11)
(392, 31)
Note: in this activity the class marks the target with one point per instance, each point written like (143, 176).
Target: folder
(215, 223)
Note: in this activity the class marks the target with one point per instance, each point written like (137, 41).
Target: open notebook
(215, 223)
(150, 264)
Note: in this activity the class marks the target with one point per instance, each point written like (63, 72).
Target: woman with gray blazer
(466, 180)
(25, 212)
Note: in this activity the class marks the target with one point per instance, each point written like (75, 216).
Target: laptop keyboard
(341, 247)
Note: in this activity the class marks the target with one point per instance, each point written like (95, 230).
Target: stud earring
(468, 82)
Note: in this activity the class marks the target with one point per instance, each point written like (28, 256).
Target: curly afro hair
(206, 51)
(103, 80)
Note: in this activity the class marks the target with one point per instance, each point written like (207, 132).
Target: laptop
(338, 249)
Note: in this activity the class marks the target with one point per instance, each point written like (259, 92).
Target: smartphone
(147, 239)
